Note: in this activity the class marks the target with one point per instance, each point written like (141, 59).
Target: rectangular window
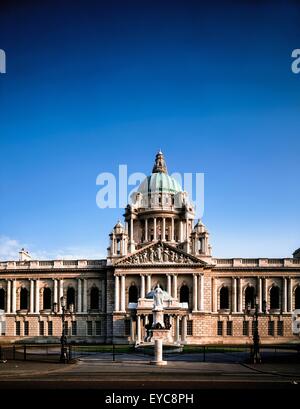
(89, 325)
(26, 328)
(271, 328)
(50, 328)
(127, 327)
(66, 328)
(220, 328)
(246, 328)
(229, 328)
(18, 328)
(42, 327)
(74, 328)
(189, 329)
(280, 328)
(98, 327)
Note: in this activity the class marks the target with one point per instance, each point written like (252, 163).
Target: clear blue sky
(91, 85)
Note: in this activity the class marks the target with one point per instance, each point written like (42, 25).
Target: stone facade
(211, 300)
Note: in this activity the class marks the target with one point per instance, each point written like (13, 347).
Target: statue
(158, 298)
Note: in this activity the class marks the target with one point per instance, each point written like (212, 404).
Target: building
(208, 300)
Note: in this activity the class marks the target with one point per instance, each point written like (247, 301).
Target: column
(142, 286)
(184, 328)
(103, 297)
(181, 231)
(138, 329)
(195, 294)
(31, 297)
(37, 296)
(61, 293)
(14, 297)
(174, 285)
(201, 293)
(163, 236)
(55, 294)
(146, 229)
(79, 295)
(131, 229)
(154, 228)
(233, 294)
(187, 229)
(177, 339)
(148, 283)
(172, 229)
(169, 285)
(265, 292)
(213, 295)
(117, 290)
(85, 307)
(259, 294)
(132, 337)
(290, 295)
(8, 297)
(284, 295)
(240, 295)
(123, 293)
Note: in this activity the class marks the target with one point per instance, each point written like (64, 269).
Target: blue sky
(92, 85)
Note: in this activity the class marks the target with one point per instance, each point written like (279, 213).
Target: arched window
(24, 299)
(224, 298)
(297, 298)
(184, 293)
(47, 299)
(70, 296)
(250, 297)
(2, 299)
(94, 298)
(274, 298)
(133, 293)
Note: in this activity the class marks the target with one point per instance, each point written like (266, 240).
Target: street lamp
(255, 354)
(63, 339)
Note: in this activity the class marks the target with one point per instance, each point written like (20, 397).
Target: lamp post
(63, 339)
(255, 354)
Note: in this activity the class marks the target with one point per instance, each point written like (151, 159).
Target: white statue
(158, 298)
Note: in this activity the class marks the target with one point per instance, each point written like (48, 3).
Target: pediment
(159, 253)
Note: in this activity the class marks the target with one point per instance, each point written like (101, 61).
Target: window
(133, 293)
(24, 299)
(127, 327)
(47, 299)
(42, 327)
(2, 299)
(229, 328)
(189, 328)
(50, 328)
(271, 328)
(250, 297)
(89, 325)
(274, 298)
(66, 328)
(220, 328)
(18, 328)
(246, 328)
(297, 298)
(70, 297)
(118, 246)
(98, 328)
(94, 298)
(184, 293)
(253, 326)
(74, 328)
(224, 298)
(280, 328)
(26, 328)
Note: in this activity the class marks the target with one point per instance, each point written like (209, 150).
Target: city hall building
(207, 300)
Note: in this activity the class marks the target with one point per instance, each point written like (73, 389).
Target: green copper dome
(159, 181)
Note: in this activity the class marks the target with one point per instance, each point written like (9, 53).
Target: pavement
(98, 371)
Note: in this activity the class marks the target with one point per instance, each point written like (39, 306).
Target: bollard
(158, 353)
(25, 355)
(14, 352)
(204, 357)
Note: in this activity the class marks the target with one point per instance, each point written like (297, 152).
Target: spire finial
(160, 164)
